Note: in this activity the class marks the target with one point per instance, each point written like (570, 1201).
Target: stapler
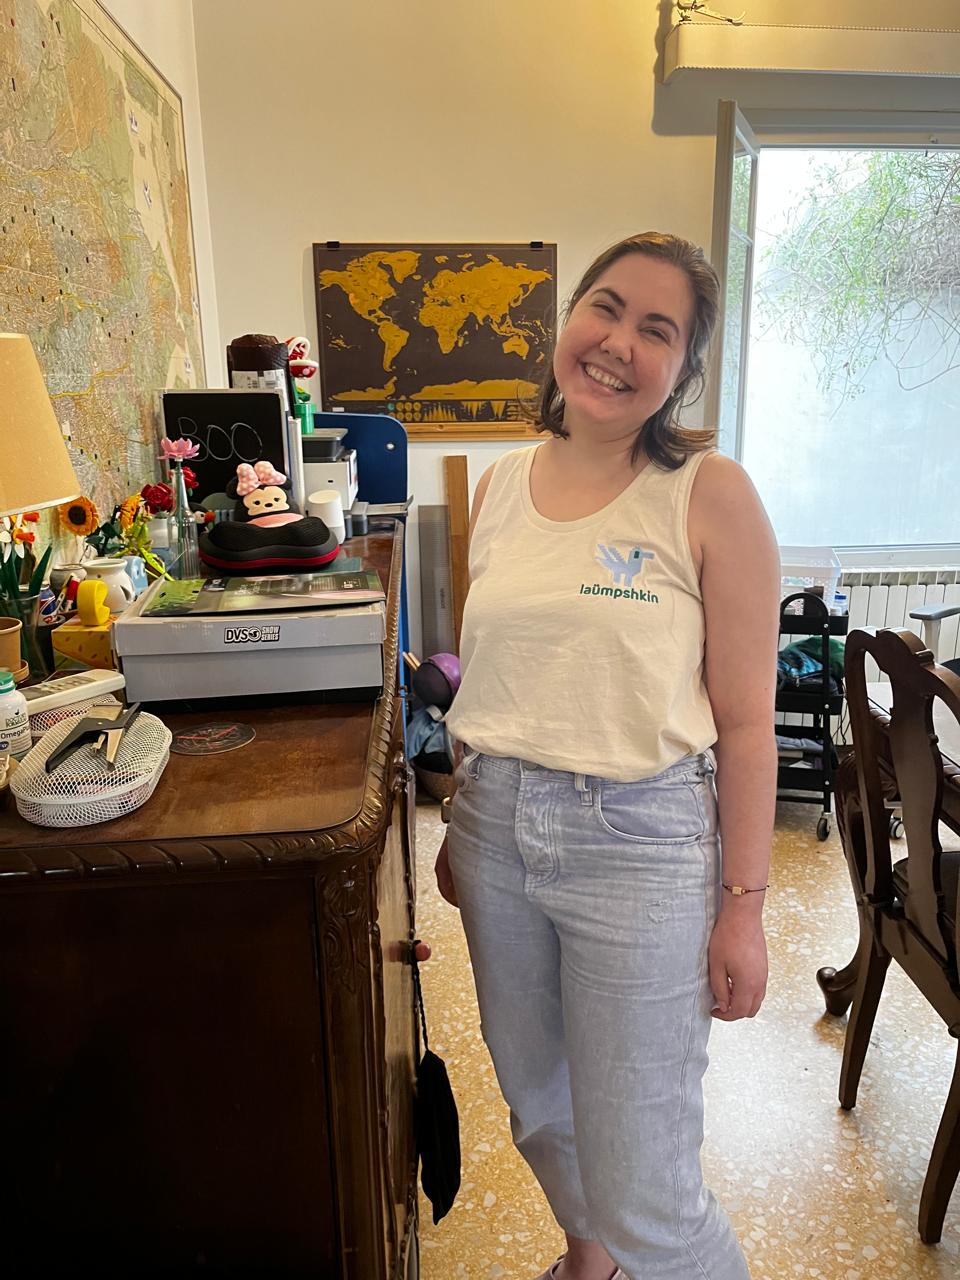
(105, 731)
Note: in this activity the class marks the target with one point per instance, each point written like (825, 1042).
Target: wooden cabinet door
(162, 1104)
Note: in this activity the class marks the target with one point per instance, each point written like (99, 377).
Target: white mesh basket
(44, 721)
(84, 789)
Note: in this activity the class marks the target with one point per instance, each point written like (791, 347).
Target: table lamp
(35, 467)
(35, 472)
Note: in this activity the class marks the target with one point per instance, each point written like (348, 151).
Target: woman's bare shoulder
(724, 506)
(720, 483)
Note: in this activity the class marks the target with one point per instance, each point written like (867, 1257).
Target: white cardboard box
(234, 655)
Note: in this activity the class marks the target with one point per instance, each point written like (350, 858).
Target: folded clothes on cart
(799, 667)
(802, 746)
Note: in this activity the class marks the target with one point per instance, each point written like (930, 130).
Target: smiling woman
(603, 685)
(651, 269)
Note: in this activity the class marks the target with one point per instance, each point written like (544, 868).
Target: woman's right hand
(444, 879)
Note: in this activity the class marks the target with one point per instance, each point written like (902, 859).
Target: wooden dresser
(207, 1026)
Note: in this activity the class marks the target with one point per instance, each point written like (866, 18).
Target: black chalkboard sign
(230, 427)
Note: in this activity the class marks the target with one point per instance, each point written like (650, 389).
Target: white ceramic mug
(120, 590)
(326, 504)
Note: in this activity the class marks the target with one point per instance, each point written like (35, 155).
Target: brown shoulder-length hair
(661, 437)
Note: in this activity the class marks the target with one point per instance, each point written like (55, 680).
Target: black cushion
(234, 546)
(235, 535)
(949, 874)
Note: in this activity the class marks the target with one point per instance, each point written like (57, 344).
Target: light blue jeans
(588, 907)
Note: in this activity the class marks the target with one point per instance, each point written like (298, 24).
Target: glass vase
(187, 563)
(31, 650)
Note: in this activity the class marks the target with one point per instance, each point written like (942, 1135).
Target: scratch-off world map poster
(96, 248)
(434, 333)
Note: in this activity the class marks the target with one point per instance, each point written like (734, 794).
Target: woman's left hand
(738, 965)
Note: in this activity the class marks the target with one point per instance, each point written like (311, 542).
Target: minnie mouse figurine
(267, 533)
(262, 498)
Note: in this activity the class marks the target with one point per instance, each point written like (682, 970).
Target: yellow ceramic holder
(91, 606)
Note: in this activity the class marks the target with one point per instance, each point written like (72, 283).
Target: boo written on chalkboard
(230, 427)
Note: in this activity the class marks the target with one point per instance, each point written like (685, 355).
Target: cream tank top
(583, 641)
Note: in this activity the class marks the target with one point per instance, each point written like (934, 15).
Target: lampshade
(35, 468)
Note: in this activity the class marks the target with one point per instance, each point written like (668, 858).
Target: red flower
(157, 497)
(189, 477)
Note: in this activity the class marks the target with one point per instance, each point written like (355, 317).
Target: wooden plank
(456, 480)
(463, 432)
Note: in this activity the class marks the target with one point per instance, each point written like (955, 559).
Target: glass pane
(853, 395)
(740, 198)
(733, 321)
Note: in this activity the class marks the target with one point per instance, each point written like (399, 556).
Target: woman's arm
(733, 542)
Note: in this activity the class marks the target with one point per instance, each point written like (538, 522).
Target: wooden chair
(909, 912)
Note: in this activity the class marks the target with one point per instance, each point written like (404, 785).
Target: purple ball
(449, 664)
(437, 679)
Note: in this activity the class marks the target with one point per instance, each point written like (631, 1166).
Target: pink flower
(178, 450)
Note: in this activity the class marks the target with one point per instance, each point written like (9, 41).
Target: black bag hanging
(436, 1123)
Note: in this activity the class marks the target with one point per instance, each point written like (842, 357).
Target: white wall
(165, 33)
(437, 120)
(927, 14)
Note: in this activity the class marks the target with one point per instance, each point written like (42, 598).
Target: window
(844, 402)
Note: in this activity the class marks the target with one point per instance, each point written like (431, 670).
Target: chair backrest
(908, 741)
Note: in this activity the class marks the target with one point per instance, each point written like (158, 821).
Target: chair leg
(839, 985)
(866, 998)
(944, 1167)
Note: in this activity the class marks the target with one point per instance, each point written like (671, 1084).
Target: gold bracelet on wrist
(738, 890)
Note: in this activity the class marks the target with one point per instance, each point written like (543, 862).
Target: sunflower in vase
(125, 533)
(133, 516)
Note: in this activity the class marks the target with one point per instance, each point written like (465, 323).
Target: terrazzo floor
(812, 1191)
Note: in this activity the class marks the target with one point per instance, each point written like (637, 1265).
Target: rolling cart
(812, 784)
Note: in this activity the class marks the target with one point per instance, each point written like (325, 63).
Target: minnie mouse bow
(250, 478)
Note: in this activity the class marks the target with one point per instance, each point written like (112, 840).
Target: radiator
(885, 598)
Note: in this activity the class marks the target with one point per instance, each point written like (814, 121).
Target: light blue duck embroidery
(622, 569)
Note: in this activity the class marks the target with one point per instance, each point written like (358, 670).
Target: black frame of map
(384, 357)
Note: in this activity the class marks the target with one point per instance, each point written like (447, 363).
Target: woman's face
(623, 348)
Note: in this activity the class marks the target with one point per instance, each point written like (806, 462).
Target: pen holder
(10, 629)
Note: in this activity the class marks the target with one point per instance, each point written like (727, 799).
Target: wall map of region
(96, 249)
(434, 333)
